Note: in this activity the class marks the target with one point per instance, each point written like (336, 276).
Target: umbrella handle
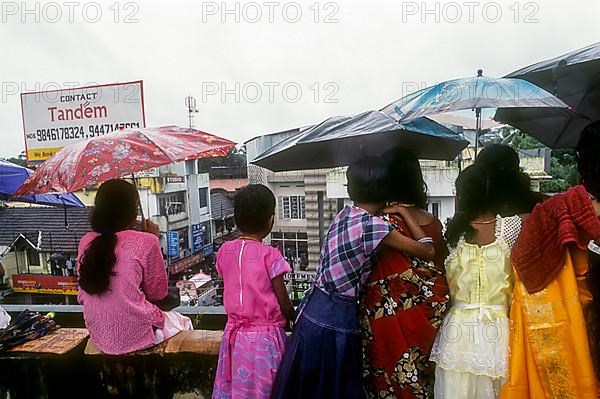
(477, 129)
(139, 202)
(65, 210)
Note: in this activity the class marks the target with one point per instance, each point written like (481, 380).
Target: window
(190, 167)
(292, 207)
(340, 204)
(293, 246)
(33, 257)
(435, 209)
(203, 197)
(174, 203)
(207, 233)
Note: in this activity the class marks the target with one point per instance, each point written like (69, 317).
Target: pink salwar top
(247, 268)
(122, 319)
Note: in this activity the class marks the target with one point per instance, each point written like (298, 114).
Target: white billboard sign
(54, 119)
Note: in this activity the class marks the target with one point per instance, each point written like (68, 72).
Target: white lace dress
(471, 348)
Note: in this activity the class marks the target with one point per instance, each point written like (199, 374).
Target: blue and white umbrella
(12, 177)
(476, 93)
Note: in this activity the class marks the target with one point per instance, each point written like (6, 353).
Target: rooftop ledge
(186, 310)
(64, 364)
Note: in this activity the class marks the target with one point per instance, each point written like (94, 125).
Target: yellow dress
(549, 343)
(471, 348)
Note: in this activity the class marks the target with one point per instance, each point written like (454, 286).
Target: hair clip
(595, 248)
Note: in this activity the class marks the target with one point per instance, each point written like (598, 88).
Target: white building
(177, 198)
(439, 177)
(303, 209)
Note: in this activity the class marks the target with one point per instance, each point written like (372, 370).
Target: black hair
(499, 156)
(588, 158)
(368, 180)
(473, 199)
(406, 178)
(512, 187)
(115, 209)
(254, 205)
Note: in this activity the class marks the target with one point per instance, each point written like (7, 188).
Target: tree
(20, 159)
(231, 166)
(521, 141)
(563, 163)
(563, 170)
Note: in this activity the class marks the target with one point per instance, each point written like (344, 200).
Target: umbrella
(12, 176)
(339, 141)
(476, 93)
(573, 77)
(57, 256)
(120, 154)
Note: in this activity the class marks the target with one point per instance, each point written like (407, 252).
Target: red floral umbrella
(120, 154)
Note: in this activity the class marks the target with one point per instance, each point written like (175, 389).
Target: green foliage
(521, 141)
(563, 162)
(564, 172)
(234, 163)
(235, 159)
(20, 159)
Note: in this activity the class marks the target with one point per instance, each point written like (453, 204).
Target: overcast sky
(366, 55)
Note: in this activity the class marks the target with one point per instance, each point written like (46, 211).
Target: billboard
(173, 243)
(152, 172)
(56, 118)
(175, 179)
(44, 284)
(186, 263)
(197, 237)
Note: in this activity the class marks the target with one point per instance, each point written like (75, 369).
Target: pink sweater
(121, 319)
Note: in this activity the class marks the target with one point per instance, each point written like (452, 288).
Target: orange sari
(550, 355)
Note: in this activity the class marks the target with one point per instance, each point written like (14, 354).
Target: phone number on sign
(78, 132)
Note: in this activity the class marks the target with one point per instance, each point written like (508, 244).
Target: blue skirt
(324, 356)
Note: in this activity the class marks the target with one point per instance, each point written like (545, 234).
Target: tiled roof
(221, 207)
(50, 222)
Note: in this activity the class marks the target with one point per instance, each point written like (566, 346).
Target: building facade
(440, 178)
(177, 198)
(303, 209)
(36, 243)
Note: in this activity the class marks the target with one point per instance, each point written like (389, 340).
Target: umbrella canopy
(477, 93)
(471, 93)
(57, 256)
(12, 177)
(339, 141)
(120, 154)
(573, 77)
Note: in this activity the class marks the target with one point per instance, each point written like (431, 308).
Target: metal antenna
(190, 103)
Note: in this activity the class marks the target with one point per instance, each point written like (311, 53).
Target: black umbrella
(574, 78)
(339, 141)
(57, 256)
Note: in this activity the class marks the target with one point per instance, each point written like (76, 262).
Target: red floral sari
(401, 311)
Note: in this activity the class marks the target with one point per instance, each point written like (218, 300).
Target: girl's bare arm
(409, 246)
(283, 298)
